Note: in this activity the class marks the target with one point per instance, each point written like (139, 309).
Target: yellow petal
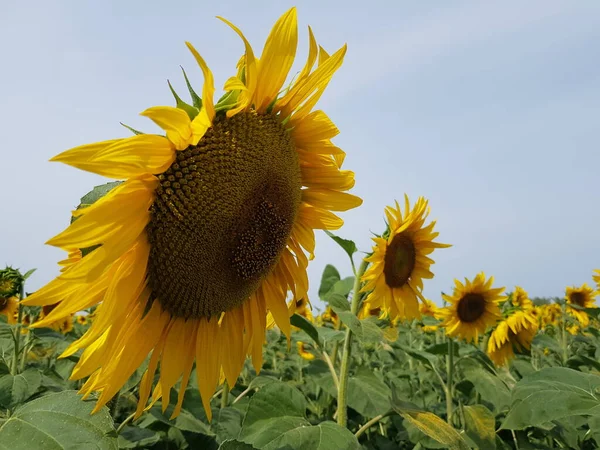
(174, 121)
(318, 218)
(276, 59)
(208, 90)
(330, 199)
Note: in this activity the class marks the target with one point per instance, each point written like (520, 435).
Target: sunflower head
(211, 228)
(428, 308)
(520, 299)
(10, 282)
(400, 261)
(367, 310)
(9, 306)
(473, 307)
(551, 314)
(81, 319)
(329, 316)
(596, 278)
(583, 297)
(304, 352)
(516, 332)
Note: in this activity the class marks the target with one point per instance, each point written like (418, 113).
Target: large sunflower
(584, 297)
(209, 230)
(399, 262)
(514, 333)
(473, 308)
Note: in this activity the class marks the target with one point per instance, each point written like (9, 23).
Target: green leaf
(551, 394)
(328, 279)
(302, 323)
(442, 349)
(348, 245)
(480, 424)
(228, 423)
(235, 445)
(324, 436)
(28, 274)
(196, 100)
(491, 388)
(135, 437)
(338, 303)
(544, 341)
(97, 193)
(429, 424)
(327, 335)
(426, 358)
(58, 421)
(15, 389)
(189, 109)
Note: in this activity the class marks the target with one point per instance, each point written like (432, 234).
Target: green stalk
(342, 406)
(225, 395)
(15, 361)
(449, 381)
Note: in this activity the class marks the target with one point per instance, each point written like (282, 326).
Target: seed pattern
(222, 215)
(400, 260)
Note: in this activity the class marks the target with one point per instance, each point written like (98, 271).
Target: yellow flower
(328, 316)
(520, 298)
(596, 278)
(583, 296)
(473, 308)
(82, 320)
(212, 227)
(9, 306)
(64, 324)
(428, 308)
(303, 351)
(515, 332)
(303, 309)
(400, 261)
(573, 329)
(551, 314)
(367, 311)
(429, 328)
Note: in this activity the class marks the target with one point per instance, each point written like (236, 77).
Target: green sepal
(196, 100)
(227, 101)
(133, 130)
(191, 111)
(10, 282)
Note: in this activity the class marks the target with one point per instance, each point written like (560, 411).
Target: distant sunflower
(304, 352)
(9, 306)
(367, 310)
(209, 229)
(64, 324)
(429, 328)
(513, 333)
(328, 316)
(473, 308)
(551, 314)
(584, 297)
(428, 308)
(520, 299)
(596, 278)
(82, 320)
(399, 262)
(303, 309)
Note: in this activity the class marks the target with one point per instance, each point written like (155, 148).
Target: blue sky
(489, 109)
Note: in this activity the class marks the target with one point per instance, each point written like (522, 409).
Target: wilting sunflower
(209, 229)
(473, 308)
(9, 306)
(399, 262)
(513, 333)
(304, 352)
(520, 299)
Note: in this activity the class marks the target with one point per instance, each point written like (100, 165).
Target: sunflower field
(181, 316)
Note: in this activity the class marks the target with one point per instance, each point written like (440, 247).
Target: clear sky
(489, 109)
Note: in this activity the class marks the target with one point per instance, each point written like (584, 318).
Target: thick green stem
(449, 381)
(17, 330)
(342, 406)
(564, 339)
(225, 395)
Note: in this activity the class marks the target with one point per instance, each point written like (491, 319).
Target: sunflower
(304, 352)
(328, 316)
(428, 308)
(473, 308)
(211, 228)
(551, 314)
(64, 324)
(368, 311)
(516, 332)
(81, 319)
(303, 309)
(584, 297)
(596, 278)
(399, 262)
(429, 328)
(9, 306)
(520, 299)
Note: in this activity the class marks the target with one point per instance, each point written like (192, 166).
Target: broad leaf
(302, 323)
(58, 421)
(328, 279)
(480, 426)
(15, 389)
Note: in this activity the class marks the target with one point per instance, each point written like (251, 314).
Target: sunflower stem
(564, 342)
(342, 406)
(371, 422)
(449, 381)
(225, 395)
(15, 362)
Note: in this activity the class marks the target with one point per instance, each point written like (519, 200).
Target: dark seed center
(578, 298)
(399, 261)
(470, 307)
(222, 216)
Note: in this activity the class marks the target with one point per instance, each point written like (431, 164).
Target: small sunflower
(211, 228)
(304, 352)
(428, 308)
(520, 299)
(429, 328)
(596, 278)
(328, 316)
(516, 332)
(584, 297)
(63, 325)
(551, 314)
(303, 309)
(399, 262)
(473, 308)
(81, 319)
(9, 306)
